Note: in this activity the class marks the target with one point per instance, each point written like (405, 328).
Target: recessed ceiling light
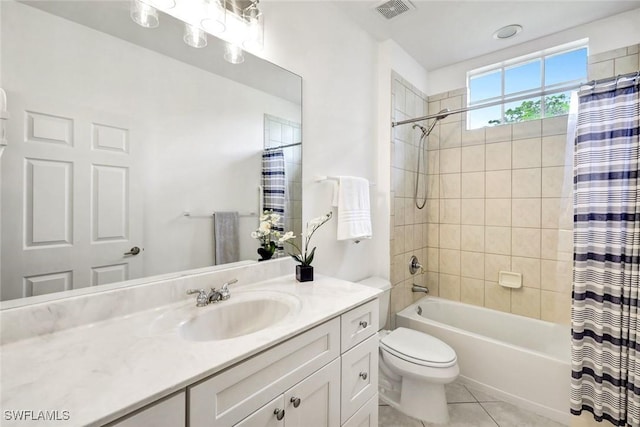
(507, 32)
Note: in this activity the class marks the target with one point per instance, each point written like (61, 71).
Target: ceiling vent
(393, 8)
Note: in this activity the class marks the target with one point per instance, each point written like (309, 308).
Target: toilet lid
(418, 347)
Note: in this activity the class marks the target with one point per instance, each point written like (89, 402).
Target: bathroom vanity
(313, 362)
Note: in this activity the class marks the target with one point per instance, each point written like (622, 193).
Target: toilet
(414, 367)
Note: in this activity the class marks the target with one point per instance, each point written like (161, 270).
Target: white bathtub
(523, 361)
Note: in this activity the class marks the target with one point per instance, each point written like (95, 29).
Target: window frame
(541, 91)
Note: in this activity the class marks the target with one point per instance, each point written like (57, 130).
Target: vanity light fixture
(240, 23)
(233, 54)
(194, 36)
(144, 14)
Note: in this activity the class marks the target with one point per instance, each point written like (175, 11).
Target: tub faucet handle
(415, 266)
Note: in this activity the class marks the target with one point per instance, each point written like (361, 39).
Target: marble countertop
(102, 371)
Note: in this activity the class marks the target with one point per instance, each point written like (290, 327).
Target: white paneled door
(71, 202)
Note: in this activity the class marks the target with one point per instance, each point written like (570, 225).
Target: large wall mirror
(121, 137)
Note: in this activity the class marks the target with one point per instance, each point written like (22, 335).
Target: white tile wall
(499, 199)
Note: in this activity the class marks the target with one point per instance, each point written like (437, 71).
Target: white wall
(337, 62)
(605, 34)
(391, 57)
(202, 135)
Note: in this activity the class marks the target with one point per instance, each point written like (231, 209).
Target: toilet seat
(418, 348)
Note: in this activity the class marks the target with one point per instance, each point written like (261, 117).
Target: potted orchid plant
(304, 270)
(267, 234)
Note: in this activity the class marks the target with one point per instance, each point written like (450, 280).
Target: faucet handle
(224, 290)
(202, 299)
(230, 282)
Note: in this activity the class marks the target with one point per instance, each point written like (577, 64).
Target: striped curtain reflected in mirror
(605, 342)
(274, 185)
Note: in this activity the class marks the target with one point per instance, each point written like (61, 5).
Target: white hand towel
(354, 211)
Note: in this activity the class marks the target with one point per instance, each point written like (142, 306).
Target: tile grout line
(487, 412)
(471, 393)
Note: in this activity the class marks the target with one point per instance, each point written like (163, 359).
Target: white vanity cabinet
(168, 412)
(324, 377)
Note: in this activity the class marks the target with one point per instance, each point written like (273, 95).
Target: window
(553, 71)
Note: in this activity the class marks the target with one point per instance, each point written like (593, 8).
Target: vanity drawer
(367, 416)
(359, 324)
(359, 376)
(231, 395)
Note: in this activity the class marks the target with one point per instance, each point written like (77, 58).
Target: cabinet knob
(295, 401)
(364, 324)
(279, 413)
(363, 375)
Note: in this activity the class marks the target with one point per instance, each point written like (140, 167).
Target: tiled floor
(470, 408)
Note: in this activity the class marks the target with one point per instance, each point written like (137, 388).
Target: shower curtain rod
(593, 83)
(283, 146)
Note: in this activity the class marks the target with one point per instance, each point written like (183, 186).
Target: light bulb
(144, 15)
(233, 54)
(194, 36)
(215, 20)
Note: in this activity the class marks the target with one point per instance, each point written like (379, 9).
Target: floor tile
(481, 396)
(466, 415)
(458, 393)
(389, 417)
(508, 415)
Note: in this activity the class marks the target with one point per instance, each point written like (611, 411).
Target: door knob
(363, 375)
(133, 251)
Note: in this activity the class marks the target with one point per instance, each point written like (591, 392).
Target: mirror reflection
(131, 154)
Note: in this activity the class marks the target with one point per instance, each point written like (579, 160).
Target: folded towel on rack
(226, 237)
(354, 209)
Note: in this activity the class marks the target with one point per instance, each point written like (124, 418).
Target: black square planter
(304, 273)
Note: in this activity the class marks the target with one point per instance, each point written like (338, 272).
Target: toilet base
(424, 401)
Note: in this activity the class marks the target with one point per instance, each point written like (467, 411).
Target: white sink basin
(244, 313)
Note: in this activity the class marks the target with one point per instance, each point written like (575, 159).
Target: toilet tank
(383, 299)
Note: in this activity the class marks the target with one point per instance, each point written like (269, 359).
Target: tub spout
(416, 288)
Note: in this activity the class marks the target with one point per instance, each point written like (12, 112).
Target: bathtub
(526, 362)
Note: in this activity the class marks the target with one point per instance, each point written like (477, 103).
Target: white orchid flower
(265, 227)
(287, 236)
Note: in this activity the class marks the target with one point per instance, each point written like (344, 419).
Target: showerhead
(442, 114)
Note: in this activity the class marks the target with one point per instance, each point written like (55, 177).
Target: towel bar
(323, 178)
(211, 215)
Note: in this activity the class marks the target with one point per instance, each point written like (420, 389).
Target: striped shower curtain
(605, 342)
(274, 184)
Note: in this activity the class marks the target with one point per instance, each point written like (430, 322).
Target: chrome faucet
(416, 288)
(205, 298)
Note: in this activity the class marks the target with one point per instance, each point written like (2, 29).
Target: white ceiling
(439, 33)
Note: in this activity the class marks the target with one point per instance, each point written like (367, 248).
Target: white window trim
(541, 90)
